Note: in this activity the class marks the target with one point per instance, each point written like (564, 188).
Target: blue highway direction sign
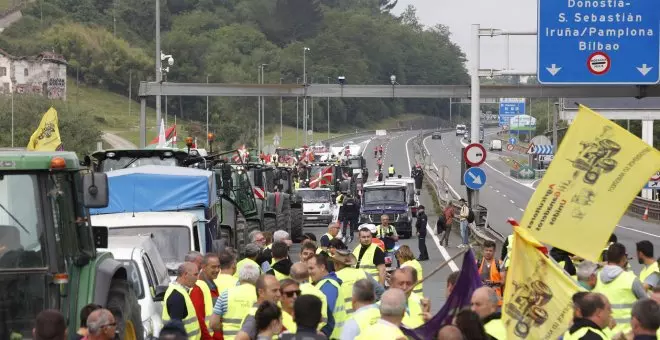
(598, 42)
(513, 140)
(510, 107)
(474, 178)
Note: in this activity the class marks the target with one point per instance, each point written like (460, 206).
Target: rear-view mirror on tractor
(95, 190)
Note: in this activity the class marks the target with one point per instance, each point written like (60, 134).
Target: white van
(495, 144)
(460, 129)
(147, 274)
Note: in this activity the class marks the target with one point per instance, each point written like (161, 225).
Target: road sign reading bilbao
(598, 42)
(510, 107)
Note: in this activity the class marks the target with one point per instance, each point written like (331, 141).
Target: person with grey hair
(586, 274)
(251, 252)
(485, 303)
(196, 258)
(392, 309)
(234, 303)
(177, 304)
(257, 237)
(645, 319)
(267, 255)
(101, 325)
(366, 310)
(450, 332)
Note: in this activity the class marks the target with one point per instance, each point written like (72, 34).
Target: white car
(318, 207)
(495, 144)
(460, 129)
(146, 273)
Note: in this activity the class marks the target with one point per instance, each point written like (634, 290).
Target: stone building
(43, 74)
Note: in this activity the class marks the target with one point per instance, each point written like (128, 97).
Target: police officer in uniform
(420, 224)
(349, 214)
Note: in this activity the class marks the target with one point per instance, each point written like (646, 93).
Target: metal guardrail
(480, 232)
(639, 206)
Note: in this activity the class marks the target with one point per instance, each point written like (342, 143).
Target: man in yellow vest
(177, 304)
(650, 265)
(367, 312)
(369, 256)
(392, 310)
(595, 316)
(485, 303)
(300, 274)
(418, 308)
(290, 290)
(622, 288)
(226, 278)
(329, 284)
(234, 304)
(204, 294)
(587, 273)
(281, 264)
(252, 252)
(268, 289)
(391, 171)
(333, 230)
(645, 319)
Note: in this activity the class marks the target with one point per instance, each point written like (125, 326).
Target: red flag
(323, 178)
(169, 134)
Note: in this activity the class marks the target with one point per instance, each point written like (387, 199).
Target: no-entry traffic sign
(474, 154)
(598, 63)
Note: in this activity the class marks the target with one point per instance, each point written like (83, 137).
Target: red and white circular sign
(510, 147)
(598, 63)
(656, 177)
(474, 154)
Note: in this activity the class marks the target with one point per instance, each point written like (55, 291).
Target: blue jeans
(464, 231)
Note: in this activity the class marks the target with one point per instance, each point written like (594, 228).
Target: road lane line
(503, 195)
(512, 202)
(429, 231)
(638, 231)
(521, 209)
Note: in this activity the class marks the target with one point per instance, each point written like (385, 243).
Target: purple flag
(468, 281)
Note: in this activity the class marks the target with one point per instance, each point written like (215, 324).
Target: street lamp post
(158, 60)
(207, 115)
(281, 128)
(297, 118)
(328, 112)
(258, 112)
(305, 49)
(263, 110)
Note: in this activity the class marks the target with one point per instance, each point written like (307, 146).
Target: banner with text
(596, 173)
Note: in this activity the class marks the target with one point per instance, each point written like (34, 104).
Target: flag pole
(442, 265)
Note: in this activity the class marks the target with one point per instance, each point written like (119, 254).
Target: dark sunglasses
(291, 293)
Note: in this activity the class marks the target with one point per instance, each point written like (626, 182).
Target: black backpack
(470, 216)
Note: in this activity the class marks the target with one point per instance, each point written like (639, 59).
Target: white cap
(372, 227)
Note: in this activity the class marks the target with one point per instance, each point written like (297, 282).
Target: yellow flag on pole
(538, 294)
(594, 176)
(47, 136)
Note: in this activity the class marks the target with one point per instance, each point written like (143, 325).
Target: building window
(3, 71)
(25, 72)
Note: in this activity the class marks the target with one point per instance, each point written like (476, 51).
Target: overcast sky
(458, 15)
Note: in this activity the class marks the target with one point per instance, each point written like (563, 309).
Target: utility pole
(130, 89)
(281, 128)
(475, 100)
(259, 112)
(207, 115)
(297, 118)
(158, 61)
(328, 112)
(12, 117)
(263, 110)
(305, 49)
(554, 128)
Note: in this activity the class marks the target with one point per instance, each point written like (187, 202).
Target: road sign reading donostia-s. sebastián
(598, 42)
(474, 154)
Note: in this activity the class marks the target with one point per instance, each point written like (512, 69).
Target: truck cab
(411, 194)
(381, 198)
(109, 160)
(318, 207)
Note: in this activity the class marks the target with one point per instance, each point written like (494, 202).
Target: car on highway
(495, 144)
(318, 208)
(460, 129)
(381, 198)
(436, 135)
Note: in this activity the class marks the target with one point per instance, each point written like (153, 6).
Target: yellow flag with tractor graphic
(594, 176)
(538, 294)
(47, 136)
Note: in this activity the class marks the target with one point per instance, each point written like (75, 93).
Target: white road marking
(638, 231)
(503, 195)
(521, 209)
(443, 250)
(512, 202)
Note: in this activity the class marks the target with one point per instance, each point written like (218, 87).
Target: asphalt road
(396, 152)
(507, 197)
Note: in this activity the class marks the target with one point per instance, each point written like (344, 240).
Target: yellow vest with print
(366, 317)
(619, 293)
(578, 334)
(242, 263)
(419, 289)
(239, 301)
(381, 331)
(648, 270)
(366, 263)
(224, 282)
(338, 313)
(208, 303)
(348, 277)
(190, 321)
(496, 329)
(309, 289)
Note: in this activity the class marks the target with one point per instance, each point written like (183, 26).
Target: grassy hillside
(4, 4)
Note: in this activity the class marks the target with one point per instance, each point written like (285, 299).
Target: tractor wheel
(296, 224)
(241, 232)
(123, 304)
(284, 217)
(270, 223)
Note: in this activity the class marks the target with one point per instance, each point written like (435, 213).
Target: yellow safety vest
(648, 270)
(340, 199)
(413, 317)
(296, 184)
(366, 263)
(621, 297)
(309, 289)
(366, 317)
(224, 282)
(582, 331)
(190, 321)
(381, 331)
(419, 289)
(242, 263)
(239, 301)
(390, 170)
(279, 276)
(338, 313)
(496, 329)
(208, 303)
(348, 277)
(288, 323)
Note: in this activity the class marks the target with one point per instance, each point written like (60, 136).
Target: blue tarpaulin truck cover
(158, 188)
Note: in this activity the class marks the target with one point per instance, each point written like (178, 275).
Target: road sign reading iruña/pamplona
(598, 41)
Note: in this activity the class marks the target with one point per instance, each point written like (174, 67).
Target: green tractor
(48, 256)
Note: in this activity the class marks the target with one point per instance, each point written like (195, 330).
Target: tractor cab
(109, 160)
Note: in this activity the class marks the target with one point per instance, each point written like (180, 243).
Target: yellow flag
(47, 136)
(596, 173)
(538, 295)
